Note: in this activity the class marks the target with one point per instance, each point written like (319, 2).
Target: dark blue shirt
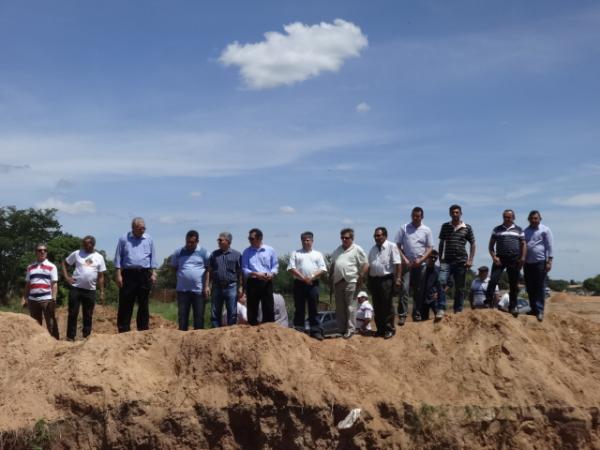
(225, 266)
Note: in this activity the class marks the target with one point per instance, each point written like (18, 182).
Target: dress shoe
(514, 312)
(401, 320)
(388, 335)
(540, 316)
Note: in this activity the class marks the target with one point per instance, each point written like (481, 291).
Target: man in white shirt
(477, 293)
(385, 272)
(349, 265)
(88, 273)
(364, 313)
(415, 243)
(307, 266)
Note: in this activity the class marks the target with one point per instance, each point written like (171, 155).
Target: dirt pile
(476, 380)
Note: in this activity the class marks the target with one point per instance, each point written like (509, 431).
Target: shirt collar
(131, 236)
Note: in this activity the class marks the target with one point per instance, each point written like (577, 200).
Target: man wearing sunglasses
(40, 290)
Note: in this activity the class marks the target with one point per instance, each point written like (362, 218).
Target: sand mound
(479, 379)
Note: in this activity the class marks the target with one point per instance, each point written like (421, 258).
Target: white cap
(362, 294)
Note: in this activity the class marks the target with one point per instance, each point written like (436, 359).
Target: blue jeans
(195, 301)
(227, 295)
(458, 272)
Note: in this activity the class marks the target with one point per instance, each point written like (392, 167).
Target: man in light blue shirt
(538, 262)
(189, 263)
(260, 265)
(136, 263)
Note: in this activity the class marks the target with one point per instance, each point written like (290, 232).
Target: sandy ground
(480, 379)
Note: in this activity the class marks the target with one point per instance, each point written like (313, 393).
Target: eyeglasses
(346, 238)
(251, 238)
(41, 250)
(220, 240)
(377, 235)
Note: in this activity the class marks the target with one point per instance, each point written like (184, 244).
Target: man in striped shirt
(508, 251)
(454, 261)
(41, 289)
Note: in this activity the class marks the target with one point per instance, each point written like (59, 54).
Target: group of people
(408, 265)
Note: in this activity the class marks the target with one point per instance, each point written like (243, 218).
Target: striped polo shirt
(453, 241)
(508, 241)
(40, 276)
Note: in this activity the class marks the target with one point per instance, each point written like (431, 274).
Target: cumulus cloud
(75, 208)
(287, 210)
(167, 220)
(588, 199)
(347, 221)
(196, 194)
(303, 52)
(63, 185)
(363, 108)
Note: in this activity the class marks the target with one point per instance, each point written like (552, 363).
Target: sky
(293, 116)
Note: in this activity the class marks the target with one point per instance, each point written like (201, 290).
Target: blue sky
(290, 116)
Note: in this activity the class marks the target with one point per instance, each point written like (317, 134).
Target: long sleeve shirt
(539, 244)
(262, 260)
(135, 253)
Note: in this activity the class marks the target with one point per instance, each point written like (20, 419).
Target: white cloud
(196, 194)
(304, 52)
(75, 208)
(347, 221)
(287, 210)
(6, 168)
(363, 108)
(588, 199)
(167, 220)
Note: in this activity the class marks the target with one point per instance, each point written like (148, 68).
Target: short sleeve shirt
(414, 241)
(87, 267)
(307, 263)
(348, 263)
(191, 265)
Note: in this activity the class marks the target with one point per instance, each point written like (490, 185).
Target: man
(508, 251)
(136, 263)
(538, 262)
(364, 314)
(415, 243)
(88, 273)
(307, 266)
(454, 236)
(260, 265)
(477, 293)
(280, 311)
(225, 274)
(40, 290)
(431, 289)
(189, 263)
(385, 272)
(349, 265)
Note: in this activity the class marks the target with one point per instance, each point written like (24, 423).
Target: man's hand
(102, 296)
(206, 292)
(548, 265)
(153, 277)
(119, 279)
(398, 281)
(496, 261)
(70, 280)
(23, 302)
(469, 263)
(520, 263)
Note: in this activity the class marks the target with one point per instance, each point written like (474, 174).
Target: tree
(592, 285)
(558, 285)
(20, 231)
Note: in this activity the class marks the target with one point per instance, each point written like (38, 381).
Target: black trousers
(305, 294)
(260, 291)
(136, 288)
(512, 269)
(87, 299)
(382, 291)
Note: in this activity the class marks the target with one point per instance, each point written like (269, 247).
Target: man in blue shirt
(189, 263)
(260, 265)
(136, 263)
(538, 262)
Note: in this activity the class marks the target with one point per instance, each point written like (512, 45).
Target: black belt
(136, 269)
(384, 277)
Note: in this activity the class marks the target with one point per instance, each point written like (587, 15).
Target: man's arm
(491, 249)
(523, 252)
(549, 249)
(472, 250)
(65, 273)
(25, 294)
(100, 283)
(54, 290)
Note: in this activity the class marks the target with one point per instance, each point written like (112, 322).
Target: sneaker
(401, 320)
(348, 334)
(540, 316)
(439, 315)
(388, 335)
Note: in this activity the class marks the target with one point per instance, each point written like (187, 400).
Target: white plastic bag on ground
(350, 419)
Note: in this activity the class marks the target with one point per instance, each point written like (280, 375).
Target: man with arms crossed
(454, 261)
(307, 266)
(88, 273)
(189, 263)
(260, 265)
(538, 263)
(349, 265)
(508, 251)
(225, 275)
(385, 272)
(415, 243)
(136, 263)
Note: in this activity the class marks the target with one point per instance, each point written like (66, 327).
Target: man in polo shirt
(415, 243)
(349, 265)
(136, 263)
(40, 290)
(477, 293)
(225, 275)
(189, 263)
(454, 261)
(260, 265)
(538, 262)
(307, 266)
(89, 272)
(508, 251)
(385, 272)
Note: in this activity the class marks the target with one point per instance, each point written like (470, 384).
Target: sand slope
(477, 380)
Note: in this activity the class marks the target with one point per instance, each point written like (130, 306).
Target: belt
(136, 269)
(383, 277)
(224, 284)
